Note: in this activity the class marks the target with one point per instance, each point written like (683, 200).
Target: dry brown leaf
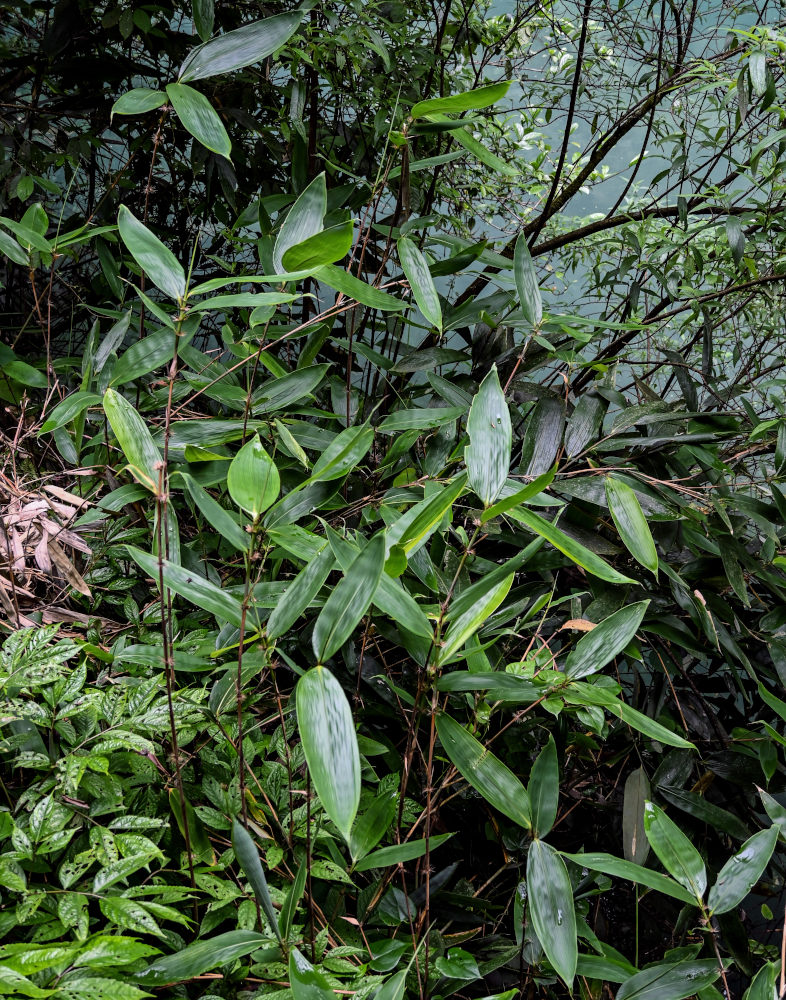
(67, 568)
(579, 624)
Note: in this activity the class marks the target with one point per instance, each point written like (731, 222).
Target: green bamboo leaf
(196, 959)
(670, 980)
(527, 283)
(306, 982)
(248, 858)
(416, 269)
(471, 100)
(143, 357)
(543, 789)
(198, 116)
(359, 290)
(676, 853)
(599, 646)
(197, 834)
(303, 220)
(396, 854)
(342, 454)
(520, 496)
(742, 871)
(68, 410)
(485, 772)
(300, 593)
(609, 865)
(327, 732)
(465, 137)
(12, 249)
(468, 623)
(369, 828)
(763, 985)
(393, 988)
(204, 15)
(295, 894)
(193, 587)
(138, 102)
(757, 69)
(551, 906)
(487, 455)
(327, 247)
(133, 436)
(216, 516)
(420, 418)
(350, 600)
(634, 839)
(241, 47)
(500, 686)
(157, 261)
(252, 479)
(631, 523)
(574, 550)
(417, 525)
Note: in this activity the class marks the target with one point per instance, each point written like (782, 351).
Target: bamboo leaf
(634, 839)
(527, 283)
(304, 219)
(551, 906)
(599, 646)
(742, 871)
(609, 865)
(419, 277)
(544, 789)
(300, 593)
(199, 958)
(248, 858)
(327, 247)
(200, 118)
(327, 732)
(252, 479)
(490, 439)
(157, 261)
(676, 853)
(467, 624)
(631, 523)
(670, 980)
(471, 100)
(133, 436)
(241, 47)
(485, 772)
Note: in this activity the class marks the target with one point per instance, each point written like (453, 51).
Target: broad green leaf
(644, 724)
(194, 960)
(349, 601)
(420, 418)
(144, 357)
(757, 68)
(157, 261)
(471, 100)
(204, 14)
(410, 850)
(303, 220)
(527, 283)
(500, 686)
(343, 453)
(736, 237)
(631, 523)
(327, 732)
(634, 839)
(609, 865)
(393, 988)
(69, 409)
(419, 277)
(574, 550)
(485, 772)
(197, 834)
(670, 980)
(248, 858)
(676, 853)
(216, 516)
(143, 457)
(465, 137)
(287, 389)
(415, 526)
(300, 593)
(599, 646)
(306, 982)
(252, 479)
(243, 300)
(138, 102)
(543, 789)
(487, 455)
(763, 986)
(324, 247)
(12, 249)
(193, 587)
(520, 496)
(241, 47)
(551, 906)
(742, 871)
(467, 624)
(370, 827)
(354, 288)
(198, 116)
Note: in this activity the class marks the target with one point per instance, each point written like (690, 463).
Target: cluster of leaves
(431, 643)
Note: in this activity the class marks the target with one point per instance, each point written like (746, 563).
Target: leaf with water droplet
(551, 907)
(742, 871)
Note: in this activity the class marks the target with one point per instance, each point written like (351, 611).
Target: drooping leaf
(485, 772)
(241, 47)
(300, 593)
(551, 905)
(742, 871)
(634, 839)
(370, 827)
(252, 479)
(157, 261)
(419, 277)
(543, 789)
(609, 638)
(527, 283)
(306, 982)
(131, 431)
(676, 853)
(248, 858)
(327, 732)
(631, 523)
(204, 14)
(490, 440)
(200, 118)
(355, 288)
(349, 601)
